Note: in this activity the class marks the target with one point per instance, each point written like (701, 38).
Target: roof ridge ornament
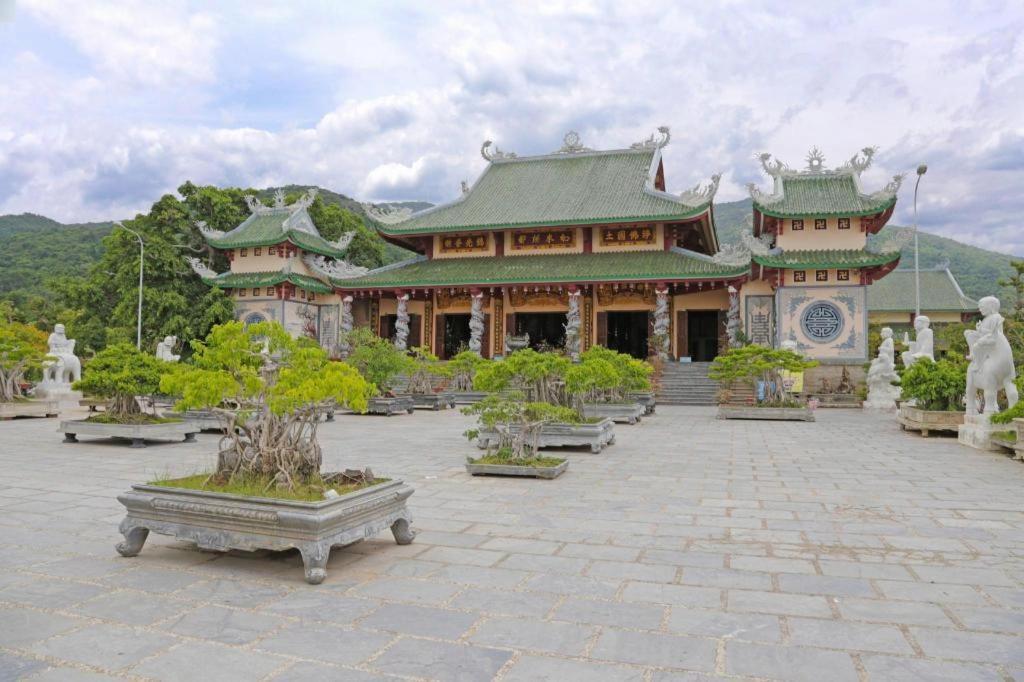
(200, 268)
(890, 189)
(571, 144)
(895, 241)
(740, 253)
(495, 155)
(332, 268)
(858, 163)
(815, 160)
(773, 168)
(207, 231)
(700, 193)
(651, 143)
(257, 207)
(279, 198)
(387, 215)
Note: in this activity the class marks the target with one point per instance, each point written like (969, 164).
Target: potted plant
(380, 363)
(463, 368)
(1013, 418)
(764, 369)
(426, 371)
(124, 375)
(602, 383)
(22, 351)
(541, 378)
(266, 490)
(933, 396)
(516, 425)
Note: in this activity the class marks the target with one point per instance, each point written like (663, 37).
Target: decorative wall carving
(519, 298)
(446, 299)
(499, 326)
(606, 295)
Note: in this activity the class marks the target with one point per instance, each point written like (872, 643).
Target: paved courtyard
(691, 549)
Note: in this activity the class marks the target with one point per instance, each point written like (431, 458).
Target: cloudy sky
(105, 106)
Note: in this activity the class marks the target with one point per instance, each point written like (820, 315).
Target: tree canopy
(121, 372)
(22, 350)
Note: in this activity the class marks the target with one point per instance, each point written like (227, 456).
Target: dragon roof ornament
(741, 252)
(387, 215)
(571, 144)
(890, 189)
(201, 268)
(700, 193)
(860, 161)
(331, 267)
(894, 241)
(257, 207)
(496, 154)
(207, 231)
(651, 143)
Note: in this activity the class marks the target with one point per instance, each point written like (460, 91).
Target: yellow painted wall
(830, 238)
(811, 278)
(267, 263)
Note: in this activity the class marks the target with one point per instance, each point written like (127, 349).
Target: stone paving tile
(775, 602)
(132, 608)
(931, 592)
(325, 643)
(821, 584)
(505, 602)
(543, 669)
(684, 595)
(441, 660)
(709, 623)
(970, 646)
(407, 589)
(664, 651)
(14, 667)
(112, 647)
(496, 578)
(320, 605)
(725, 577)
(305, 671)
(620, 614)
(881, 611)
(198, 660)
(222, 624)
(232, 592)
(572, 585)
(462, 555)
(423, 621)
(798, 664)
(834, 634)
(66, 675)
(20, 627)
(534, 635)
(897, 669)
(49, 593)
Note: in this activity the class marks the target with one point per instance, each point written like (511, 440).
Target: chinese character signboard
(544, 239)
(761, 320)
(462, 243)
(629, 236)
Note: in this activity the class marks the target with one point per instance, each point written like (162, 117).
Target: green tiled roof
(244, 280)
(826, 258)
(676, 264)
(558, 189)
(939, 293)
(273, 226)
(821, 194)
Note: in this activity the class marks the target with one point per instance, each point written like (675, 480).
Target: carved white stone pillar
(732, 327)
(572, 326)
(662, 342)
(346, 325)
(402, 323)
(476, 322)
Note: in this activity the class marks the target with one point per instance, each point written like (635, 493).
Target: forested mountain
(34, 248)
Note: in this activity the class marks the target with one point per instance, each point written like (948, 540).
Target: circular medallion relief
(822, 322)
(253, 318)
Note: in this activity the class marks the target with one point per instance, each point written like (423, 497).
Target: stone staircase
(686, 384)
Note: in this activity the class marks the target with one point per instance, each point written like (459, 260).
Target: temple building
(892, 301)
(581, 247)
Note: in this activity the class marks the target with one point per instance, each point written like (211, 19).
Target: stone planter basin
(203, 420)
(926, 421)
(468, 397)
(29, 408)
(390, 406)
(623, 413)
(222, 522)
(803, 414)
(595, 436)
(138, 434)
(645, 398)
(433, 401)
(515, 470)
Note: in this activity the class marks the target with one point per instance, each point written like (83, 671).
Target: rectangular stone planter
(203, 420)
(623, 413)
(915, 419)
(94, 404)
(390, 406)
(514, 470)
(433, 401)
(595, 436)
(645, 398)
(468, 397)
(138, 434)
(222, 522)
(29, 408)
(798, 414)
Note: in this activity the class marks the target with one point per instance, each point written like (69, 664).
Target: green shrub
(605, 376)
(517, 423)
(121, 372)
(463, 368)
(755, 363)
(935, 385)
(376, 359)
(425, 367)
(540, 373)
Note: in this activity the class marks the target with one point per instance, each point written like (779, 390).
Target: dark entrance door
(702, 335)
(546, 330)
(456, 335)
(387, 329)
(627, 332)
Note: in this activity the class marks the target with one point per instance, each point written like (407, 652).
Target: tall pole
(921, 170)
(142, 255)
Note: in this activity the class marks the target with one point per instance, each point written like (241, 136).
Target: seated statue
(882, 394)
(991, 357)
(923, 345)
(164, 349)
(64, 369)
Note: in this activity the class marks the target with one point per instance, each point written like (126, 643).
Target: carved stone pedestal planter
(29, 408)
(915, 419)
(221, 522)
(390, 406)
(138, 434)
(595, 436)
(468, 397)
(515, 470)
(800, 414)
(202, 420)
(623, 413)
(645, 398)
(976, 432)
(433, 401)
(1011, 437)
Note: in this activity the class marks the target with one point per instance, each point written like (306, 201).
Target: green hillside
(34, 248)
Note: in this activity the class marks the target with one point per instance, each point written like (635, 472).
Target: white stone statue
(476, 322)
(164, 349)
(402, 323)
(63, 370)
(572, 326)
(923, 345)
(882, 394)
(991, 359)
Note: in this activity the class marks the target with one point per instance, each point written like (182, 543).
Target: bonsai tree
(756, 363)
(377, 359)
(121, 373)
(22, 350)
(540, 373)
(425, 368)
(280, 385)
(518, 425)
(937, 386)
(605, 376)
(464, 367)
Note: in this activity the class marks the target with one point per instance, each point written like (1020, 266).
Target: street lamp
(142, 253)
(921, 170)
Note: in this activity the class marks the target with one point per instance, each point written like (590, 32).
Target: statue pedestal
(62, 393)
(976, 432)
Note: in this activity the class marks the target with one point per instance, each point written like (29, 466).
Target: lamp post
(142, 253)
(921, 170)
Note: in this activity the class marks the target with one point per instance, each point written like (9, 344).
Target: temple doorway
(456, 335)
(627, 332)
(702, 335)
(546, 330)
